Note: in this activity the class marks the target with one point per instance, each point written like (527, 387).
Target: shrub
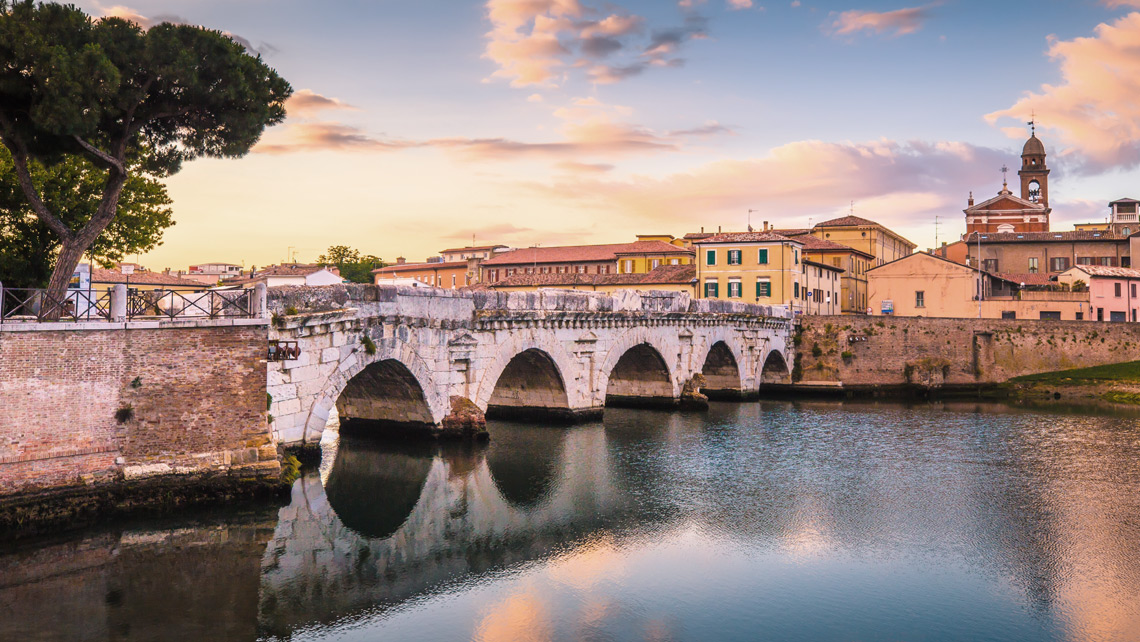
(290, 310)
(847, 355)
(125, 414)
(816, 351)
(369, 345)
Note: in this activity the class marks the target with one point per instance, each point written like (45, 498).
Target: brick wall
(932, 352)
(197, 392)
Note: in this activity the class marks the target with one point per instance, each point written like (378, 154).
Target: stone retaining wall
(89, 404)
(858, 351)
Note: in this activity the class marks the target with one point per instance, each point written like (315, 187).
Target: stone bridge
(389, 358)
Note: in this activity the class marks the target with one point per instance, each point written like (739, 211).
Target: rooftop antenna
(936, 224)
(291, 251)
(852, 210)
(750, 218)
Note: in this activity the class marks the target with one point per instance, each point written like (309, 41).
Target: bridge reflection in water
(803, 521)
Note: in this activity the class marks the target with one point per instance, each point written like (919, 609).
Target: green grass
(1119, 396)
(1128, 371)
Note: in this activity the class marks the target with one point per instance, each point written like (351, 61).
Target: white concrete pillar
(118, 303)
(259, 306)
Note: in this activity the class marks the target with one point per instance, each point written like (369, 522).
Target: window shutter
(710, 257)
(762, 256)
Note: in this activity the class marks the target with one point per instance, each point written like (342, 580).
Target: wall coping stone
(84, 326)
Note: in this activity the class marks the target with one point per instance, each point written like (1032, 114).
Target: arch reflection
(374, 486)
(524, 462)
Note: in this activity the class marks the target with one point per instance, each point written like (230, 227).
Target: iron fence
(31, 304)
(36, 305)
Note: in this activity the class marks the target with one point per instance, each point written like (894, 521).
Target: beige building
(923, 285)
(1046, 252)
(822, 286)
(866, 236)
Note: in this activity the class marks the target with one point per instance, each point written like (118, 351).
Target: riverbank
(1116, 383)
(59, 510)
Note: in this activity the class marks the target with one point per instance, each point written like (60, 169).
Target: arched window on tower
(1034, 191)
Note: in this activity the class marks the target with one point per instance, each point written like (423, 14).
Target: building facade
(753, 267)
(1046, 252)
(638, 257)
(866, 236)
(443, 274)
(1112, 292)
(822, 286)
(671, 278)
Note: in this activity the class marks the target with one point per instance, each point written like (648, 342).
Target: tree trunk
(72, 248)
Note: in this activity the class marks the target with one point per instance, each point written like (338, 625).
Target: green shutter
(710, 257)
(763, 289)
(711, 289)
(796, 290)
(762, 257)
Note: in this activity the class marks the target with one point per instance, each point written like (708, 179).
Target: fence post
(259, 306)
(118, 303)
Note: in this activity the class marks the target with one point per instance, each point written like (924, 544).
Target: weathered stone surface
(465, 421)
(558, 354)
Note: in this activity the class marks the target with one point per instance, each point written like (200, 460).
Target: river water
(754, 521)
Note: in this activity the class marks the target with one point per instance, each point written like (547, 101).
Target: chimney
(401, 260)
(702, 229)
(765, 226)
(718, 229)
(166, 271)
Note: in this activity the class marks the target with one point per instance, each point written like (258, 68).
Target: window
(795, 256)
(837, 261)
(734, 257)
(796, 290)
(1059, 264)
(655, 263)
(1107, 261)
(1008, 314)
(1033, 265)
(1126, 231)
(920, 299)
(1116, 288)
(546, 269)
(1050, 315)
(628, 266)
(990, 265)
(1117, 316)
(763, 288)
(710, 257)
(581, 269)
(762, 256)
(734, 289)
(1084, 260)
(1126, 261)
(674, 261)
(1133, 286)
(453, 281)
(711, 289)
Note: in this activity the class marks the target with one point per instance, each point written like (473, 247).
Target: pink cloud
(306, 102)
(898, 22)
(1095, 109)
(1116, 4)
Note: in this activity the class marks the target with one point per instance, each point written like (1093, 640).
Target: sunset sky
(417, 124)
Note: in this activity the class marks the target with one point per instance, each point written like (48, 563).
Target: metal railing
(169, 304)
(31, 304)
(24, 305)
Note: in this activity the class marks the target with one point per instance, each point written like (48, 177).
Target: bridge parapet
(404, 356)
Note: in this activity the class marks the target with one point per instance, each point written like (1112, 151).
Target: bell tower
(1034, 173)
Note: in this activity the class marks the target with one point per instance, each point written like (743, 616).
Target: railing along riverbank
(119, 304)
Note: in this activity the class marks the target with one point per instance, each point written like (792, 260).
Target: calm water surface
(769, 521)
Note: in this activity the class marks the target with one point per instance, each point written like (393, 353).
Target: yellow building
(866, 236)
(638, 257)
(753, 267)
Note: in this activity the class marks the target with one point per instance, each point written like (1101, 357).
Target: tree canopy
(73, 188)
(353, 265)
(109, 91)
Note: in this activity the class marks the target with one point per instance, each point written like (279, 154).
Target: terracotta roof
(101, 275)
(816, 244)
(697, 235)
(824, 265)
(1124, 200)
(846, 221)
(581, 253)
(416, 267)
(916, 255)
(1041, 278)
(793, 231)
(749, 237)
(1033, 146)
(1104, 270)
(477, 248)
(663, 275)
(1038, 237)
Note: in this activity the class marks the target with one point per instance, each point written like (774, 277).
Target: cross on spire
(1004, 170)
(1032, 123)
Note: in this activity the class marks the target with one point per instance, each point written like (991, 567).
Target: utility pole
(936, 224)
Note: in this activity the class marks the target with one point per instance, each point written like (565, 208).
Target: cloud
(127, 13)
(739, 4)
(305, 102)
(534, 98)
(1116, 4)
(710, 128)
(325, 135)
(541, 42)
(499, 232)
(898, 184)
(584, 168)
(1095, 109)
(897, 23)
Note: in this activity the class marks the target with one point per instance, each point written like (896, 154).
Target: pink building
(1112, 291)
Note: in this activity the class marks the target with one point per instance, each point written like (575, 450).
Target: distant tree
(351, 263)
(110, 92)
(73, 188)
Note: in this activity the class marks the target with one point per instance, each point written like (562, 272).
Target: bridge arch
(528, 379)
(636, 371)
(775, 369)
(399, 371)
(724, 370)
